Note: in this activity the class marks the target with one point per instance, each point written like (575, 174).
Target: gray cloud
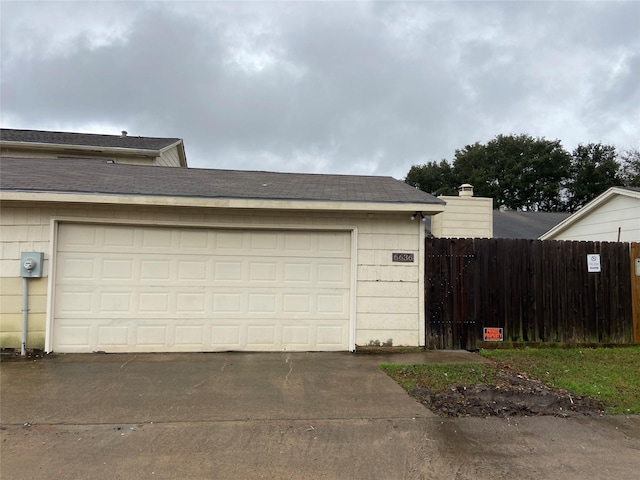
(368, 88)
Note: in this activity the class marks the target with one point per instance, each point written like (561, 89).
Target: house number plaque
(402, 257)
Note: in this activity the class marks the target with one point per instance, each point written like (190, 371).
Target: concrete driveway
(287, 416)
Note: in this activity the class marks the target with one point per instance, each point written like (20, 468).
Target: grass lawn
(610, 375)
(436, 377)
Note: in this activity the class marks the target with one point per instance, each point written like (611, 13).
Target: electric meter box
(31, 264)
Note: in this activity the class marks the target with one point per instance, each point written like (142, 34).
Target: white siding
(168, 158)
(602, 224)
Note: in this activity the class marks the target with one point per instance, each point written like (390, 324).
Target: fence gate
(450, 268)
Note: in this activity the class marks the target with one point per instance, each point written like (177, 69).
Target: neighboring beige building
(611, 217)
(464, 216)
(146, 259)
(167, 152)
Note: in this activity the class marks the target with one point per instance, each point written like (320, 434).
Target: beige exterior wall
(464, 217)
(602, 224)
(388, 294)
(11, 292)
(168, 158)
(118, 157)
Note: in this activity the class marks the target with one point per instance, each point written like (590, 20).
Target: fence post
(635, 290)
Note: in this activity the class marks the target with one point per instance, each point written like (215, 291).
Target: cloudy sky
(324, 87)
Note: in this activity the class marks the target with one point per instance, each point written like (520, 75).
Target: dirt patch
(512, 394)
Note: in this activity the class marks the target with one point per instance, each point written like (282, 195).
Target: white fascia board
(588, 208)
(83, 148)
(239, 203)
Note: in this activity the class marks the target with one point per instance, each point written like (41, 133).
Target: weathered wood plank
(537, 291)
(635, 290)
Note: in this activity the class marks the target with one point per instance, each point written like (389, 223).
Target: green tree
(434, 178)
(526, 173)
(517, 171)
(630, 168)
(472, 164)
(594, 169)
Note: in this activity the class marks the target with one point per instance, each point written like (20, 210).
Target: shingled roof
(84, 139)
(530, 225)
(91, 177)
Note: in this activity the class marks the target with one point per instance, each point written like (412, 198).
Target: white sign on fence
(593, 262)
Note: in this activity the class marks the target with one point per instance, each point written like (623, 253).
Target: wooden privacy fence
(536, 291)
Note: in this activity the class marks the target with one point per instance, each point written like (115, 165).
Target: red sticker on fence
(492, 334)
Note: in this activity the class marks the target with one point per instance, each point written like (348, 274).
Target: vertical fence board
(537, 291)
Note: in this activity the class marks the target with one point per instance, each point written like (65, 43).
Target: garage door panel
(302, 243)
(333, 274)
(73, 337)
(331, 335)
(333, 304)
(297, 273)
(192, 302)
(75, 301)
(228, 271)
(229, 242)
(189, 335)
(153, 302)
(76, 267)
(152, 335)
(227, 302)
(77, 238)
(296, 303)
(117, 269)
(262, 335)
(262, 303)
(334, 245)
(200, 290)
(157, 240)
(109, 301)
(118, 237)
(263, 243)
(192, 270)
(296, 334)
(114, 303)
(226, 336)
(196, 240)
(261, 272)
(155, 335)
(112, 335)
(155, 270)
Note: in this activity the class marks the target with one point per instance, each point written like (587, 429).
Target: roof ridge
(62, 132)
(39, 138)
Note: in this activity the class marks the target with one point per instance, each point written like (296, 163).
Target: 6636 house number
(402, 257)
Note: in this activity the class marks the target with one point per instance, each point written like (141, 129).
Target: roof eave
(208, 202)
(83, 148)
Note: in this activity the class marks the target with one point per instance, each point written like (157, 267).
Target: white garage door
(153, 289)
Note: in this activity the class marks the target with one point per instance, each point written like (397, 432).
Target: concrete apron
(298, 415)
